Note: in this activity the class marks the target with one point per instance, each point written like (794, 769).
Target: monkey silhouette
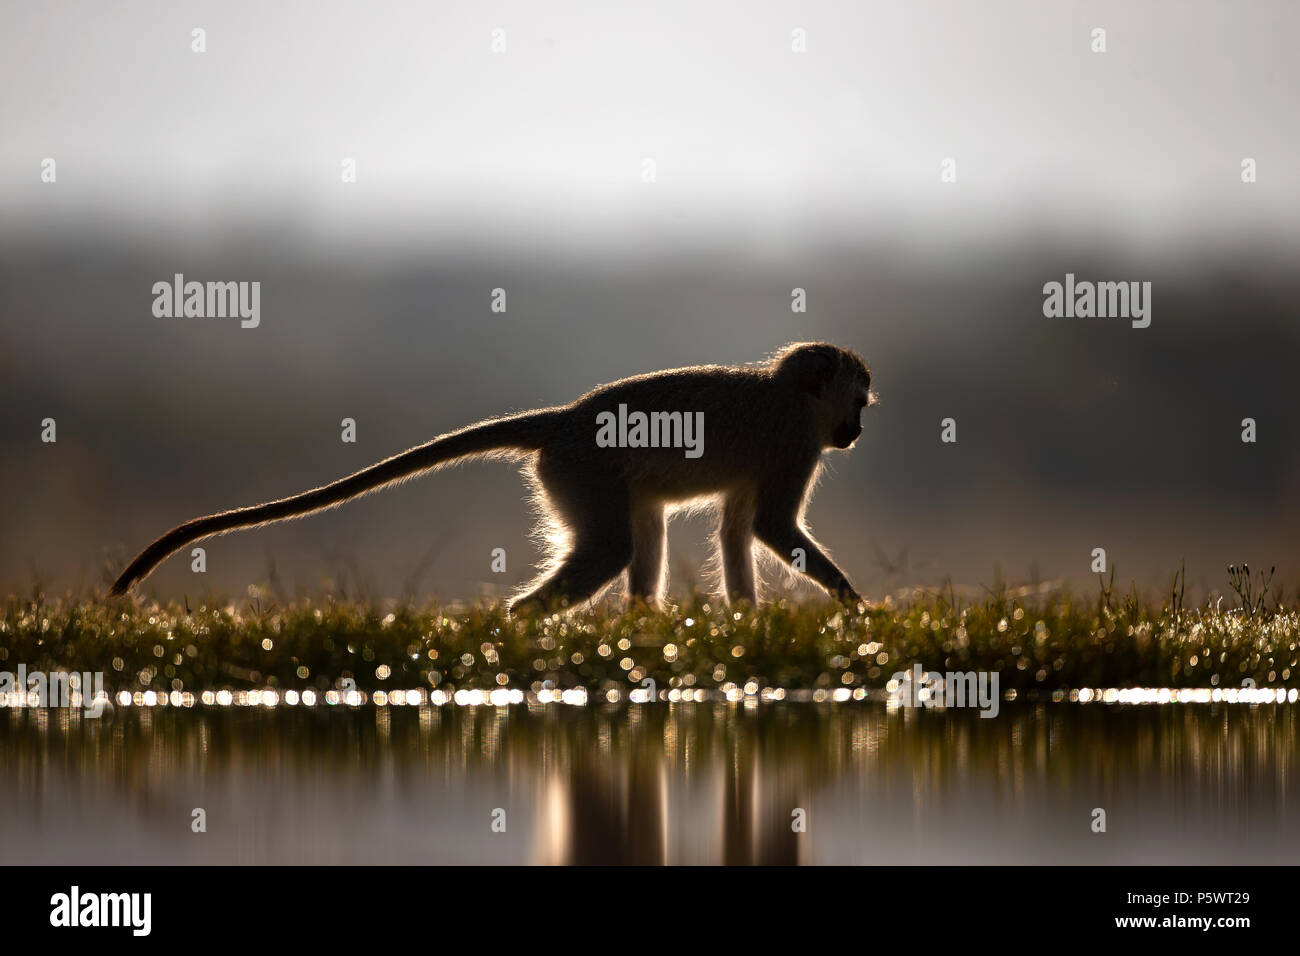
(747, 440)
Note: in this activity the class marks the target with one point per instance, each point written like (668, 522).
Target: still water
(653, 783)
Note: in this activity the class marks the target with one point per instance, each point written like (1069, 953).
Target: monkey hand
(845, 594)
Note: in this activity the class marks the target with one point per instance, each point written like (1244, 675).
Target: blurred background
(524, 168)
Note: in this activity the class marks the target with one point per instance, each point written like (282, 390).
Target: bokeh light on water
(709, 782)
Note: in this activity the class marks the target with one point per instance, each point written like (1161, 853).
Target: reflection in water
(650, 784)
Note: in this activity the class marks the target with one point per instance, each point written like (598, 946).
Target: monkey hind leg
(594, 507)
(588, 567)
(645, 575)
(736, 539)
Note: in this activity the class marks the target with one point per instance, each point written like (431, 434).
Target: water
(681, 783)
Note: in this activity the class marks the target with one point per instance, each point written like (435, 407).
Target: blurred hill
(1072, 433)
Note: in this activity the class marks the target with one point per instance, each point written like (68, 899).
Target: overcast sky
(775, 169)
(550, 135)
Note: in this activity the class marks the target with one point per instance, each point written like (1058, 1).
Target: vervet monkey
(764, 429)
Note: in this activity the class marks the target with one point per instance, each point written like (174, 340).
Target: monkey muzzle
(846, 433)
(850, 430)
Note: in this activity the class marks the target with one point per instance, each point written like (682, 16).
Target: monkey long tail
(525, 432)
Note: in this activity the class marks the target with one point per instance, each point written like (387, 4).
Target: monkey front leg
(736, 537)
(788, 539)
(645, 575)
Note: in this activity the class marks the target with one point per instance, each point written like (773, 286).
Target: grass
(1045, 642)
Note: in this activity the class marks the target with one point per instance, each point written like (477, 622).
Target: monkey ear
(813, 369)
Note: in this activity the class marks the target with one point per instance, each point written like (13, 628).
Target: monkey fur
(765, 428)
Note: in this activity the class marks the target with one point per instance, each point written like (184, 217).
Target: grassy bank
(1036, 643)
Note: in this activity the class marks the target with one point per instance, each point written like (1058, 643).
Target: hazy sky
(549, 136)
(774, 169)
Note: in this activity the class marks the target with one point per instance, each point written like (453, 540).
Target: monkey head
(838, 383)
